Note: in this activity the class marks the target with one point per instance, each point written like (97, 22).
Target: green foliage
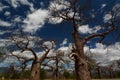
(42, 73)
(118, 74)
(26, 74)
(16, 75)
(66, 74)
(1, 54)
(5, 75)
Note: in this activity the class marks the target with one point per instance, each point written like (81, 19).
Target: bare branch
(103, 35)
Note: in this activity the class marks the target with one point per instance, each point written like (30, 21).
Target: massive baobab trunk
(81, 70)
(81, 66)
(35, 71)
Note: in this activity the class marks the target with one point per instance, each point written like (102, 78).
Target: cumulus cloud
(7, 13)
(55, 20)
(49, 44)
(105, 55)
(8, 61)
(25, 54)
(59, 5)
(4, 23)
(85, 29)
(35, 20)
(107, 17)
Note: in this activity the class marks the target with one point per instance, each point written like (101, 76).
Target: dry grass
(63, 79)
(106, 79)
(92, 79)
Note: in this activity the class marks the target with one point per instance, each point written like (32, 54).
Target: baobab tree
(29, 48)
(57, 60)
(81, 14)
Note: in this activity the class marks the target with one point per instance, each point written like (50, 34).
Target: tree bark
(99, 72)
(111, 73)
(81, 66)
(81, 70)
(35, 71)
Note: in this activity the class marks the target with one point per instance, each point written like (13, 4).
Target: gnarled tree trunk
(81, 66)
(35, 71)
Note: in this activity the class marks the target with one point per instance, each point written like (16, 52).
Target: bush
(66, 74)
(42, 74)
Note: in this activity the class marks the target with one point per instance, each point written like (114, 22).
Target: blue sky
(14, 12)
(33, 17)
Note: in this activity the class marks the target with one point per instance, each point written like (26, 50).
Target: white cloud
(59, 5)
(16, 3)
(117, 6)
(35, 20)
(84, 29)
(4, 23)
(55, 20)
(8, 61)
(42, 4)
(3, 32)
(26, 2)
(2, 6)
(116, 9)
(103, 5)
(49, 44)
(3, 42)
(7, 13)
(107, 17)
(65, 50)
(55, 6)
(51, 53)
(17, 19)
(64, 42)
(25, 54)
(71, 14)
(31, 7)
(105, 55)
